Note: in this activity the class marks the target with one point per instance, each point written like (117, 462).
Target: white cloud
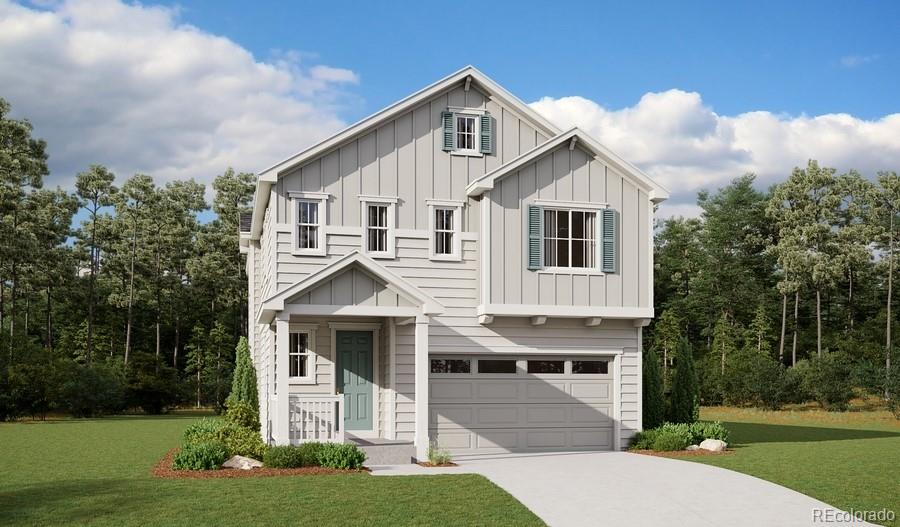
(131, 87)
(852, 61)
(686, 146)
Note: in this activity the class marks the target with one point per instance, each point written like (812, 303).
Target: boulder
(242, 463)
(713, 445)
(691, 448)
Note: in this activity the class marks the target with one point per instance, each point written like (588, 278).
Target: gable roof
(656, 191)
(269, 176)
(400, 285)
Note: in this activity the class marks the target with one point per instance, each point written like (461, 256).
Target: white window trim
(457, 207)
(310, 331)
(573, 206)
(391, 202)
(322, 200)
(467, 112)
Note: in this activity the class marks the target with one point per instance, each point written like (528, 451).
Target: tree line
(137, 305)
(785, 295)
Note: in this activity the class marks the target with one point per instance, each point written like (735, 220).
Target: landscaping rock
(713, 445)
(693, 447)
(242, 463)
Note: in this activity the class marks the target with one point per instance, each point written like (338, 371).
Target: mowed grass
(97, 472)
(846, 459)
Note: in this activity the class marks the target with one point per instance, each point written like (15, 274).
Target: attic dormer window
(467, 132)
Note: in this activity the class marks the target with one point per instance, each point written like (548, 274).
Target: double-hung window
(467, 131)
(378, 226)
(301, 354)
(571, 236)
(308, 225)
(446, 229)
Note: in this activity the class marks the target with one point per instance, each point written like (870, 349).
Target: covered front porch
(350, 353)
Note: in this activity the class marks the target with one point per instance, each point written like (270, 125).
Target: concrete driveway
(623, 489)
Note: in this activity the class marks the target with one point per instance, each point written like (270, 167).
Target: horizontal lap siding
(405, 383)
(568, 175)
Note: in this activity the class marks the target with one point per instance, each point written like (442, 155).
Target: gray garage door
(487, 404)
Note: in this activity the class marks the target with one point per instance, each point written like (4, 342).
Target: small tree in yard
(654, 402)
(684, 404)
(243, 384)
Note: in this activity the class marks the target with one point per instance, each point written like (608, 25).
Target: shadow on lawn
(78, 501)
(748, 433)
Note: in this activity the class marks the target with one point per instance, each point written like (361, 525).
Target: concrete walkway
(623, 489)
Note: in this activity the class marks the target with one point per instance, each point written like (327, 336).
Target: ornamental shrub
(242, 441)
(654, 404)
(242, 413)
(643, 440)
(284, 456)
(341, 456)
(707, 430)
(200, 456)
(438, 455)
(669, 439)
(243, 384)
(305, 455)
(684, 405)
(206, 429)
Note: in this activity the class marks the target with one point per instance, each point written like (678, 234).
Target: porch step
(385, 452)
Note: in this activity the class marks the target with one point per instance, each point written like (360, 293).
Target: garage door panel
(497, 439)
(446, 390)
(451, 415)
(596, 438)
(547, 391)
(592, 390)
(499, 416)
(541, 439)
(473, 441)
(496, 390)
(593, 415)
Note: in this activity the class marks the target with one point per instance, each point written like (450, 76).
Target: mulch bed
(432, 465)
(164, 469)
(683, 453)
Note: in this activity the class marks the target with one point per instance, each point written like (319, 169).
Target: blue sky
(693, 93)
(795, 57)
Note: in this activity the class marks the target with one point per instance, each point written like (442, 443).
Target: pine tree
(654, 404)
(684, 403)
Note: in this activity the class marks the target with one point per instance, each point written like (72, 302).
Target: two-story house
(453, 268)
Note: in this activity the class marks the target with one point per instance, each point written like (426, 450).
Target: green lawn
(848, 460)
(97, 472)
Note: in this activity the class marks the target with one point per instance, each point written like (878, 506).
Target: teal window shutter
(609, 241)
(535, 237)
(487, 134)
(449, 123)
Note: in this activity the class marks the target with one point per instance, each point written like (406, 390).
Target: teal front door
(354, 351)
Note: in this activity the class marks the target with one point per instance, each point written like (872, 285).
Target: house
(452, 268)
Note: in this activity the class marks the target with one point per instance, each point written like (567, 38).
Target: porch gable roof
(394, 282)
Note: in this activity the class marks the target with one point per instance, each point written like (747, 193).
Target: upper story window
(580, 237)
(446, 228)
(378, 226)
(467, 131)
(308, 225)
(570, 238)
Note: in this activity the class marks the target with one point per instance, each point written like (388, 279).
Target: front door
(354, 350)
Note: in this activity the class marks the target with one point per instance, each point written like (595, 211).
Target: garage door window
(496, 366)
(590, 366)
(451, 366)
(546, 366)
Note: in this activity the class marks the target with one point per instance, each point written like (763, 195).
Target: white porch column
(421, 437)
(282, 416)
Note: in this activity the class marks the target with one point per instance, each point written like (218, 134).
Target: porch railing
(316, 418)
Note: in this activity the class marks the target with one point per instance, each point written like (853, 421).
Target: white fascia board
(486, 182)
(532, 310)
(260, 202)
(404, 105)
